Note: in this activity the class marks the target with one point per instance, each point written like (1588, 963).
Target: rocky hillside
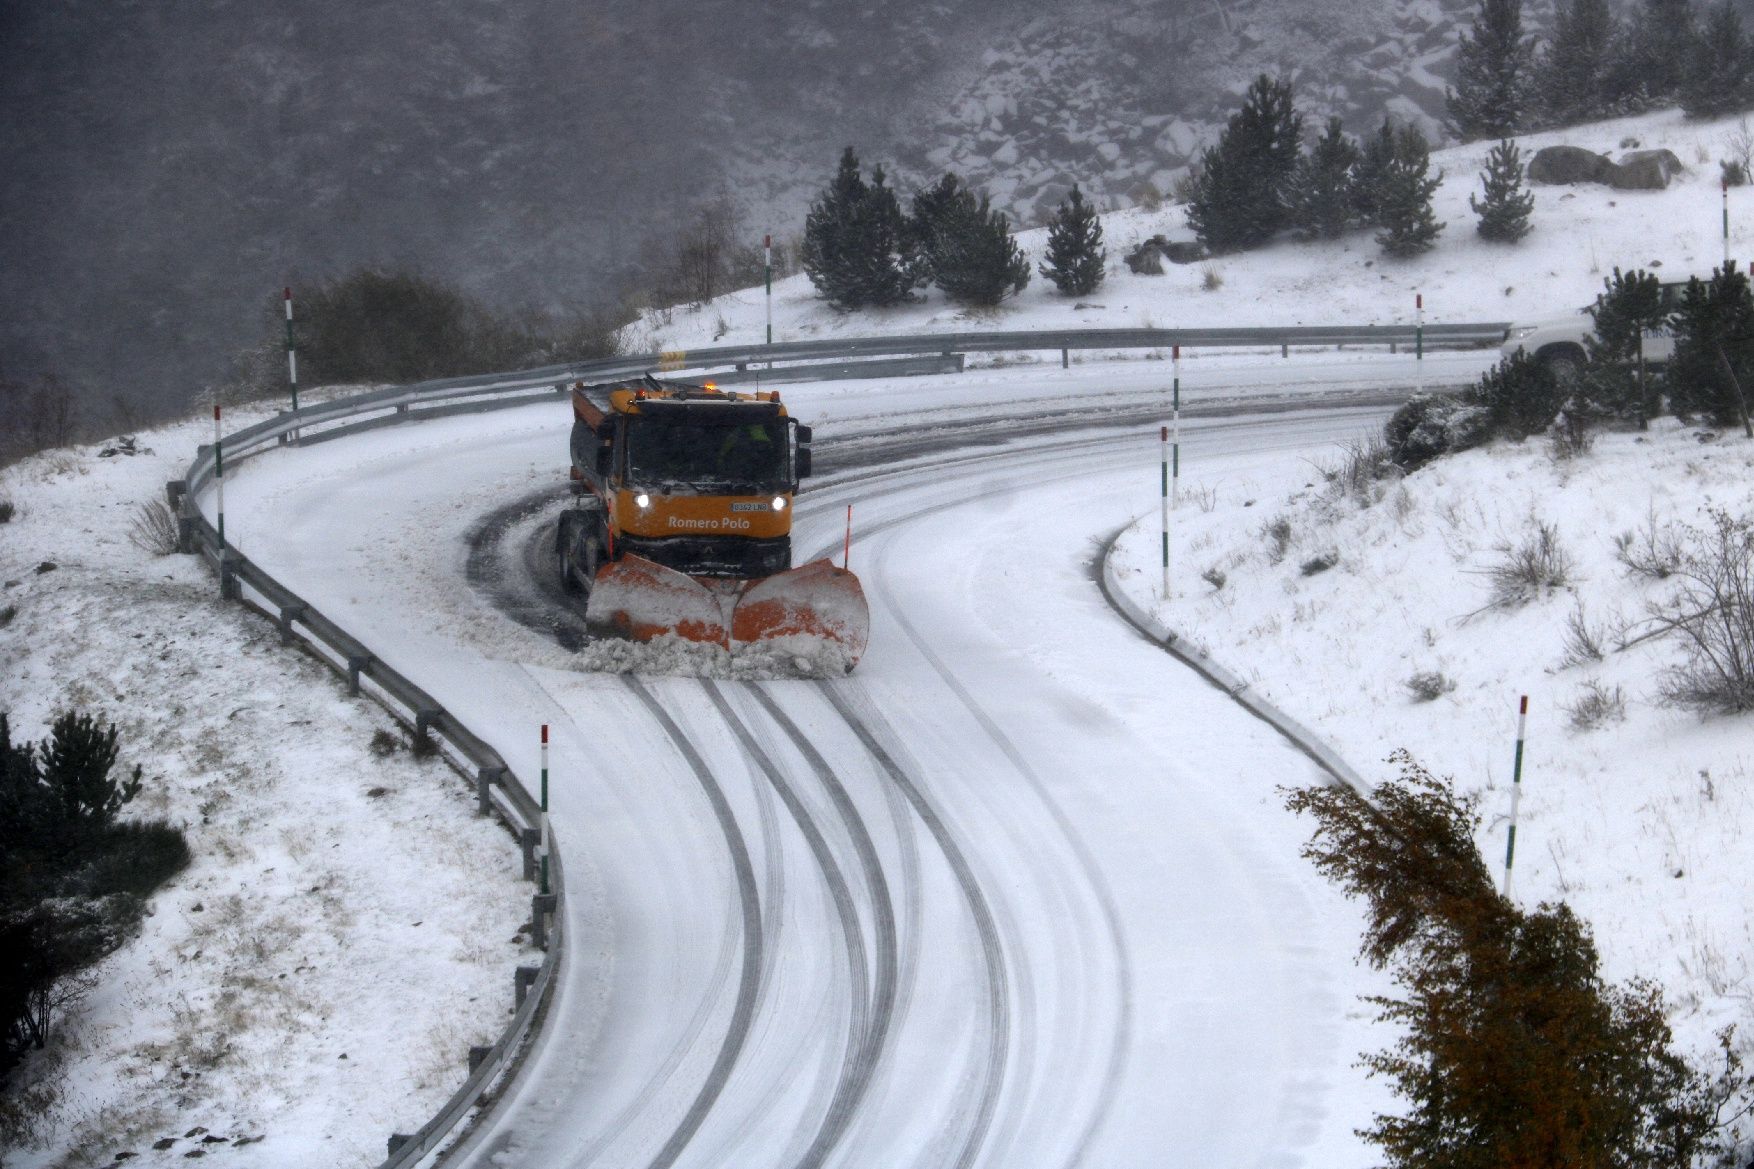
(170, 167)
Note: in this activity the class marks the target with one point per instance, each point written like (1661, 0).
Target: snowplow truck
(682, 528)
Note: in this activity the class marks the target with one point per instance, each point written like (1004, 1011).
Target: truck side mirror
(804, 433)
(803, 462)
(605, 461)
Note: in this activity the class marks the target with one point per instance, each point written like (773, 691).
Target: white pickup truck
(1557, 342)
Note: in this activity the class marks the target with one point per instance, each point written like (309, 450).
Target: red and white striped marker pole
(219, 477)
(291, 353)
(846, 554)
(545, 847)
(1516, 792)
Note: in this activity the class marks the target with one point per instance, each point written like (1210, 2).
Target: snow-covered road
(1019, 892)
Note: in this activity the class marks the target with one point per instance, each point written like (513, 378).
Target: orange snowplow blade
(816, 613)
(636, 599)
(812, 620)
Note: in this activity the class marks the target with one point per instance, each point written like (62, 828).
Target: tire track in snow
(866, 1045)
(749, 982)
(992, 1074)
(1090, 871)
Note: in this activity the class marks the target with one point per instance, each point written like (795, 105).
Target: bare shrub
(7, 614)
(1319, 563)
(1536, 565)
(1572, 436)
(7, 511)
(384, 744)
(1595, 705)
(1654, 551)
(1364, 464)
(1205, 498)
(1215, 577)
(1583, 641)
(1429, 686)
(1277, 532)
(1713, 613)
(1211, 279)
(154, 529)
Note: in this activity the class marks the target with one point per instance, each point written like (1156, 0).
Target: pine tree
(1318, 196)
(1719, 78)
(1504, 213)
(1490, 98)
(1649, 59)
(1237, 197)
(1404, 212)
(933, 208)
(1630, 305)
(853, 241)
(1075, 254)
(1571, 80)
(973, 258)
(1374, 160)
(1714, 325)
(1511, 1049)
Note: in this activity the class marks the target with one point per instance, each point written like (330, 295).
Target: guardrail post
(484, 780)
(1065, 359)
(529, 838)
(287, 616)
(228, 575)
(541, 907)
(478, 1056)
(1284, 349)
(354, 666)
(523, 978)
(176, 494)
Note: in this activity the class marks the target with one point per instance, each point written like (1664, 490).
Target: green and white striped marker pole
(219, 478)
(1725, 184)
(1516, 792)
(545, 845)
(1164, 432)
(1419, 342)
(767, 265)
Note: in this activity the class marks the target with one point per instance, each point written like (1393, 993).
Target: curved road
(1016, 893)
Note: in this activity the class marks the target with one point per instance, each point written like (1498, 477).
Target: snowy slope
(348, 927)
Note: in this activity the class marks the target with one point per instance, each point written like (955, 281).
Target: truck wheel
(1564, 363)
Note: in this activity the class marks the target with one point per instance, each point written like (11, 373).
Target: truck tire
(1564, 362)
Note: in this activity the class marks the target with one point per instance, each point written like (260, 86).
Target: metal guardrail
(498, 790)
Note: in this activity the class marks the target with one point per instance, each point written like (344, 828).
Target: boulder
(1645, 170)
(1147, 259)
(1568, 164)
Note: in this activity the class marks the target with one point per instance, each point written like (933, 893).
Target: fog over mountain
(169, 164)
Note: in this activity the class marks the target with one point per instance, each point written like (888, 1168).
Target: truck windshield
(750, 458)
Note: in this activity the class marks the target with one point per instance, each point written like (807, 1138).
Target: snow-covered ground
(348, 927)
(1144, 906)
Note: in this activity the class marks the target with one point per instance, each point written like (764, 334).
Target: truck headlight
(642, 501)
(779, 503)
